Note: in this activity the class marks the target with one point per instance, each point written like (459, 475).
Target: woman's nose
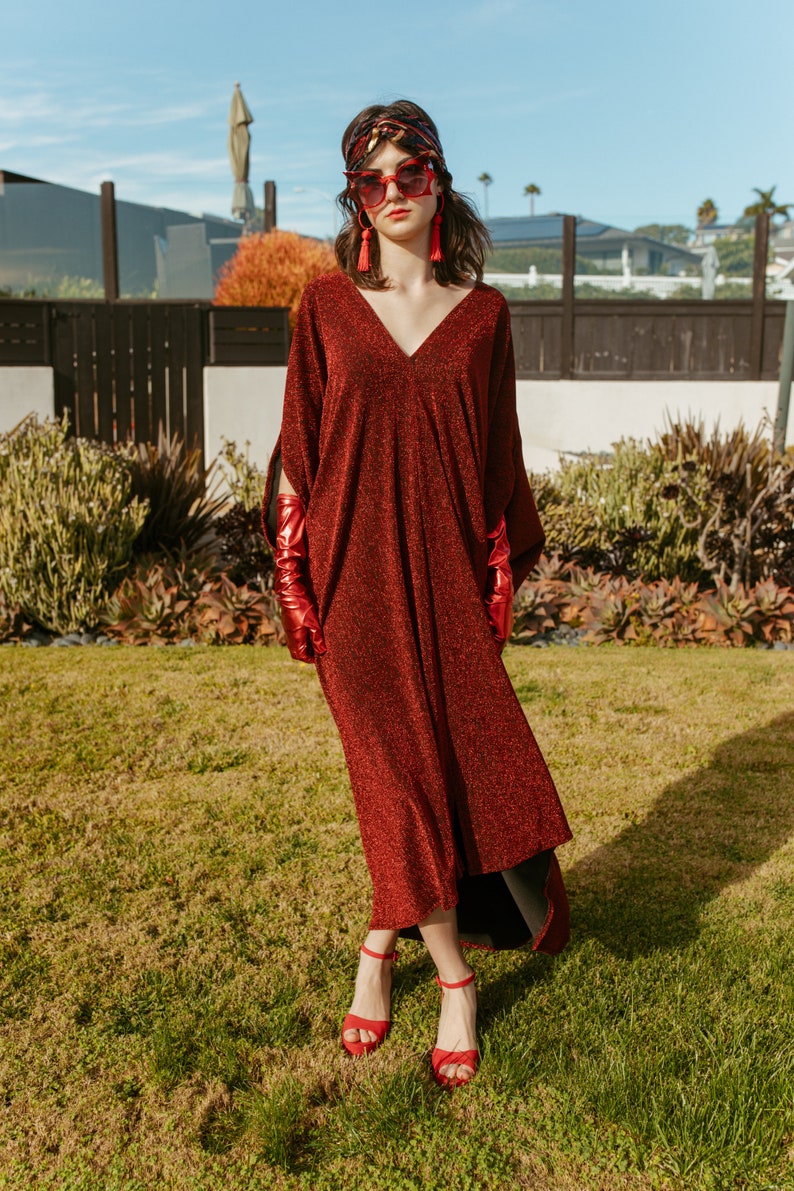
(392, 192)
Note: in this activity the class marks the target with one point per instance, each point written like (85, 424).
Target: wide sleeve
(297, 448)
(506, 489)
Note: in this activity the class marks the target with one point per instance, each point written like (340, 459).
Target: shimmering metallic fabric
(298, 613)
(499, 585)
(404, 464)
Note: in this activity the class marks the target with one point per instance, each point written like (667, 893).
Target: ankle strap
(457, 984)
(375, 955)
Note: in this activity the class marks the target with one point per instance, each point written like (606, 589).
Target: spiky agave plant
(182, 495)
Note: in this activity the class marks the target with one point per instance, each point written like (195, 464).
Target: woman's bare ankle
(455, 973)
(382, 942)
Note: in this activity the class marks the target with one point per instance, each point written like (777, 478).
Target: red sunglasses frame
(354, 175)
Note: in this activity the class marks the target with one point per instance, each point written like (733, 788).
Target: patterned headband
(412, 133)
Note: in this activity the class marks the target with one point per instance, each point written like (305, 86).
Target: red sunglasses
(412, 179)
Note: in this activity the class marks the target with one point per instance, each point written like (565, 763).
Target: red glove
(499, 586)
(298, 613)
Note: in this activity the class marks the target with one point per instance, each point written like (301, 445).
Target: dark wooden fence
(123, 369)
(24, 333)
(240, 335)
(608, 339)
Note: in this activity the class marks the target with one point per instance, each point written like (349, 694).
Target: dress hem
(505, 908)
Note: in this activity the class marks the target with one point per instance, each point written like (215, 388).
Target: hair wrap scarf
(412, 133)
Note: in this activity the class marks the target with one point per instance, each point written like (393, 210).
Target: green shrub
(611, 512)
(67, 524)
(245, 481)
(736, 493)
(242, 547)
(170, 478)
(705, 508)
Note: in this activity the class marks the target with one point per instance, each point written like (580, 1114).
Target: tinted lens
(412, 180)
(370, 190)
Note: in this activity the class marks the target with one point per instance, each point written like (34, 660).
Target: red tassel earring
(363, 252)
(436, 253)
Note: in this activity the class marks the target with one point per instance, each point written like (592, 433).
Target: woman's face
(397, 217)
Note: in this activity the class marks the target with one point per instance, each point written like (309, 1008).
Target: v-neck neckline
(428, 337)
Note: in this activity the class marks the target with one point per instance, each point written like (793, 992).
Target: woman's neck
(407, 266)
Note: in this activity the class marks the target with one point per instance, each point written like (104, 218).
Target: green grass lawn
(183, 895)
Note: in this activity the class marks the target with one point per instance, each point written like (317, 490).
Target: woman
(401, 519)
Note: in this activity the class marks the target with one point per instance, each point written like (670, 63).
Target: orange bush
(272, 269)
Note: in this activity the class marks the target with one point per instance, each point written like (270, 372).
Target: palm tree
(532, 190)
(707, 213)
(766, 204)
(486, 180)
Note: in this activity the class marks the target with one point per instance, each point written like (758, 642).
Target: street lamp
(328, 198)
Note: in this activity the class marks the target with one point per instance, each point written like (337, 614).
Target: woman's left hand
(499, 586)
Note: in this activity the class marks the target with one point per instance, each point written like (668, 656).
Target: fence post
(270, 206)
(568, 270)
(110, 247)
(759, 295)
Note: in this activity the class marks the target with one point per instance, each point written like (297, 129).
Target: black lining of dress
(501, 911)
(271, 508)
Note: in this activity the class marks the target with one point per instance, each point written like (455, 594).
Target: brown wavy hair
(464, 237)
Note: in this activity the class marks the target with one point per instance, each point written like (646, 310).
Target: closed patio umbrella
(239, 144)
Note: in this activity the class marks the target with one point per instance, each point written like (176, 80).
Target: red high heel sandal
(444, 1058)
(352, 1022)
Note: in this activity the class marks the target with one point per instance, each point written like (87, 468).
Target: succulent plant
(68, 520)
(13, 626)
(162, 603)
(149, 611)
(728, 615)
(181, 499)
(703, 507)
(232, 615)
(776, 609)
(243, 550)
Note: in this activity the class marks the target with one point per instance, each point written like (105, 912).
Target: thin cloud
(488, 12)
(508, 13)
(29, 142)
(43, 107)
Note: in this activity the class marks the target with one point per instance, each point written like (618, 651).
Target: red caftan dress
(404, 464)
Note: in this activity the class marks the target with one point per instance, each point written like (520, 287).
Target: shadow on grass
(646, 889)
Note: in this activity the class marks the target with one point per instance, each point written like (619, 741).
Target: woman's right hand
(298, 614)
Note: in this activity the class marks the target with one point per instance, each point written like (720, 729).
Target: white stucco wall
(578, 415)
(243, 404)
(23, 391)
(555, 416)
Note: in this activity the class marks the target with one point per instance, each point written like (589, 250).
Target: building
(609, 249)
(708, 233)
(781, 237)
(51, 236)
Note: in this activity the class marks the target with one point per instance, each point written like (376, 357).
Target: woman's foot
(457, 1030)
(372, 996)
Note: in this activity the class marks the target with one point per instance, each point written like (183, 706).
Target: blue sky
(624, 112)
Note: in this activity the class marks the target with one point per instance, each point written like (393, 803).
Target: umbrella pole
(270, 206)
